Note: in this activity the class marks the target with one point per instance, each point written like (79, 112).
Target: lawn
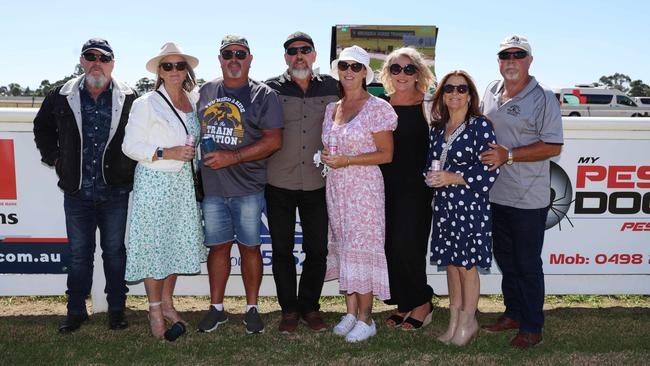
(579, 330)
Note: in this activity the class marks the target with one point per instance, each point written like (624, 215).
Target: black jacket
(57, 133)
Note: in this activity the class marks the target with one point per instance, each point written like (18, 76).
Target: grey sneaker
(212, 320)
(253, 322)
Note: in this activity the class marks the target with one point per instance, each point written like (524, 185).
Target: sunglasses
(92, 57)
(409, 69)
(356, 67)
(461, 89)
(305, 50)
(239, 54)
(169, 66)
(504, 55)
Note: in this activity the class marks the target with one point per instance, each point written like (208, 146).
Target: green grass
(579, 330)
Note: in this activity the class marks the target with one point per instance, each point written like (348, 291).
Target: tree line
(622, 82)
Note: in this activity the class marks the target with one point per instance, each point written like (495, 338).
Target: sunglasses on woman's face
(356, 67)
(461, 89)
(305, 50)
(503, 55)
(92, 57)
(409, 69)
(239, 54)
(169, 66)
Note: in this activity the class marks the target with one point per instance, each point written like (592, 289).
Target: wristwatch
(159, 153)
(509, 161)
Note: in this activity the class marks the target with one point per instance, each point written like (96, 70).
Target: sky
(572, 41)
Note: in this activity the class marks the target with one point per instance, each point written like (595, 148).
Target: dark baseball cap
(98, 44)
(234, 39)
(298, 36)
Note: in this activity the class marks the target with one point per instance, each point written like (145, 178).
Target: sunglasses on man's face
(305, 50)
(239, 54)
(169, 66)
(409, 69)
(461, 89)
(92, 57)
(504, 55)
(356, 67)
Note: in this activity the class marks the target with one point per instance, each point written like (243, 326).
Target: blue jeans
(83, 218)
(518, 237)
(233, 218)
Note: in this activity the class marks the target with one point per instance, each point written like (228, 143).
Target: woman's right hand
(181, 152)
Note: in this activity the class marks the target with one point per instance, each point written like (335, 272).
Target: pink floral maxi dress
(355, 203)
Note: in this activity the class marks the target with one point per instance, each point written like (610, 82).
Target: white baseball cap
(515, 41)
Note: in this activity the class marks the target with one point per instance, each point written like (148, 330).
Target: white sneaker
(345, 325)
(361, 332)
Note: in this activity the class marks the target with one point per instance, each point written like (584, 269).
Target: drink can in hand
(207, 144)
(435, 165)
(333, 145)
(189, 140)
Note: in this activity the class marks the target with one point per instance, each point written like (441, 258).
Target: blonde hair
(425, 78)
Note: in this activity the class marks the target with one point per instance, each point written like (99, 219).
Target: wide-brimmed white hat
(353, 53)
(168, 49)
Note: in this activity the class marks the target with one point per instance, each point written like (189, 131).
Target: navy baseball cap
(98, 44)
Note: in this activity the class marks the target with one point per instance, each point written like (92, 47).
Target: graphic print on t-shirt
(222, 119)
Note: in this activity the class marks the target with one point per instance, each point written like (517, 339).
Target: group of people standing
(400, 170)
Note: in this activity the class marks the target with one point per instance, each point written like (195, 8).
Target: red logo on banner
(7, 170)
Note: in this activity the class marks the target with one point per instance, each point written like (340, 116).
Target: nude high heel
(170, 314)
(466, 330)
(453, 323)
(156, 320)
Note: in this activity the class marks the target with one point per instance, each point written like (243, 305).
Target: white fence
(598, 242)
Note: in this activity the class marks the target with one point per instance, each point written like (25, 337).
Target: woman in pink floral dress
(362, 126)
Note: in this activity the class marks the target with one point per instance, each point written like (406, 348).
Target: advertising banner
(599, 222)
(32, 223)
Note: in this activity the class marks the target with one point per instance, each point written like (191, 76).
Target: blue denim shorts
(233, 219)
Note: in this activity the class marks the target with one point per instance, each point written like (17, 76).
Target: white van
(598, 102)
(642, 101)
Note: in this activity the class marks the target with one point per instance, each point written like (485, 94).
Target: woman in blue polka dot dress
(462, 220)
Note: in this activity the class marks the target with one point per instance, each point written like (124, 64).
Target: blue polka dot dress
(462, 218)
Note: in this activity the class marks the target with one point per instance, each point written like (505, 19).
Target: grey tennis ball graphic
(561, 196)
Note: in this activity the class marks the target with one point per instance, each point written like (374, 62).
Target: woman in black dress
(406, 79)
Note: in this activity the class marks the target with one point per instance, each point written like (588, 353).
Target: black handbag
(196, 174)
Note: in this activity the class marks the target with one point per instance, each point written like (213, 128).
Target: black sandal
(419, 324)
(396, 319)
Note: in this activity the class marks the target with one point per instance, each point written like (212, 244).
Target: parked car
(642, 101)
(598, 102)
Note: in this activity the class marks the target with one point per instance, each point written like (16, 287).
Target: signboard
(32, 223)
(380, 40)
(598, 226)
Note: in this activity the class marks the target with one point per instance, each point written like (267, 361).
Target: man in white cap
(244, 118)
(528, 126)
(79, 129)
(295, 183)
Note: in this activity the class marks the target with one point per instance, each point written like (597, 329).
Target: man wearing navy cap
(79, 131)
(294, 183)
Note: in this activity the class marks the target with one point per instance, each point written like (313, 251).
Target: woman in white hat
(165, 235)
(362, 126)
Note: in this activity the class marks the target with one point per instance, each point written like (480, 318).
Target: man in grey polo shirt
(295, 183)
(528, 126)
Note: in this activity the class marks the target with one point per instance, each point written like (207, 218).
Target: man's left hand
(220, 159)
(496, 156)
